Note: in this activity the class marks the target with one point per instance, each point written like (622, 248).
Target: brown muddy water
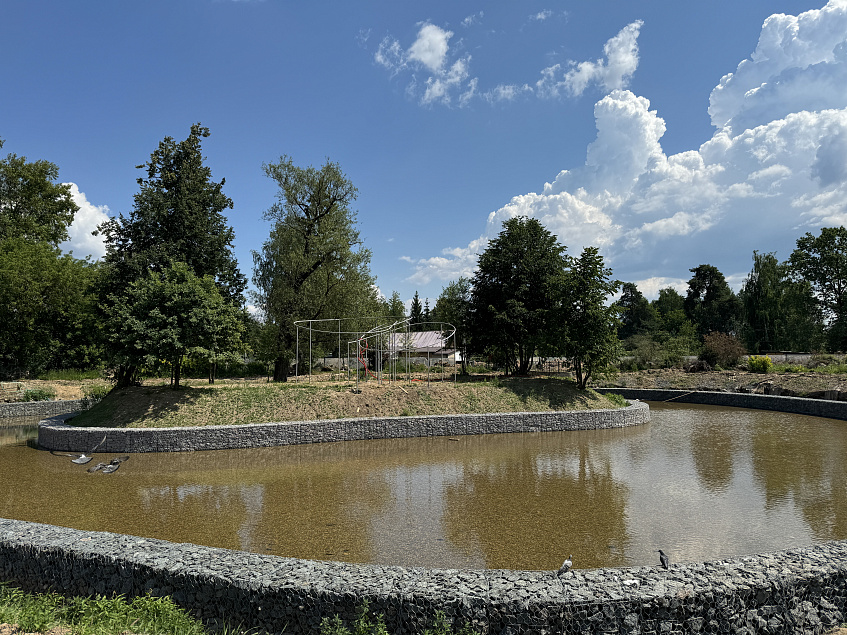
(698, 482)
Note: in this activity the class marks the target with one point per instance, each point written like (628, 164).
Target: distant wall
(55, 435)
(801, 591)
(795, 405)
(39, 408)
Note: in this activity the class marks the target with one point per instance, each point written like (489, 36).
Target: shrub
(93, 394)
(39, 394)
(720, 349)
(760, 364)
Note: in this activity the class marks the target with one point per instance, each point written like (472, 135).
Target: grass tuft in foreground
(40, 612)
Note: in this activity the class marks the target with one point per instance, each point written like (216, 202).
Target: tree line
(169, 297)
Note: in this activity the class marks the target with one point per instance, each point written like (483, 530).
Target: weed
(617, 399)
(39, 394)
(39, 612)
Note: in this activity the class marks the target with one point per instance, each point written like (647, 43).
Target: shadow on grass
(559, 394)
(136, 404)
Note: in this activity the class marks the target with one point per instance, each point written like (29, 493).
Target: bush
(39, 394)
(94, 394)
(760, 364)
(720, 349)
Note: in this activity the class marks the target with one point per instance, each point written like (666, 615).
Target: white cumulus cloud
(775, 167)
(609, 73)
(86, 220)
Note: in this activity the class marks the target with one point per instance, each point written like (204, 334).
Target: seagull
(566, 565)
(81, 459)
(663, 558)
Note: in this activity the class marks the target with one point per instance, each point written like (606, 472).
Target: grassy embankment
(259, 402)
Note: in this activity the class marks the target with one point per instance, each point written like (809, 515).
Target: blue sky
(669, 134)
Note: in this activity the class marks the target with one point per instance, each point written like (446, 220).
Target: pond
(699, 482)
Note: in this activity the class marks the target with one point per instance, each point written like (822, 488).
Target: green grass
(38, 612)
(71, 374)
(161, 407)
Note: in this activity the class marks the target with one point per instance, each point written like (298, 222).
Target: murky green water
(698, 482)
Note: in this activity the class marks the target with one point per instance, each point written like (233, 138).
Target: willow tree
(313, 264)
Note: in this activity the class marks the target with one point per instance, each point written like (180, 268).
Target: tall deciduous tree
(47, 310)
(178, 216)
(822, 262)
(779, 313)
(32, 205)
(514, 291)
(590, 338)
(172, 314)
(313, 265)
(452, 307)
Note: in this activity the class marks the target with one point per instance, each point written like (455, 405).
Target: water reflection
(698, 482)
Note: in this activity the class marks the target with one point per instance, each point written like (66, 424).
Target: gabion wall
(795, 405)
(797, 591)
(39, 408)
(56, 435)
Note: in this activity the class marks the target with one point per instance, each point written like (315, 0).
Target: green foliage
(39, 394)
(172, 315)
(720, 349)
(47, 309)
(779, 313)
(416, 315)
(590, 338)
(452, 307)
(515, 288)
(99, 615)
(760, 364)
(637, 315)
(313, 265)
(71, 374)
(821, 262)
(32, 206)
(177, 217)
(364, 624)
(615, 398)
(710, 304)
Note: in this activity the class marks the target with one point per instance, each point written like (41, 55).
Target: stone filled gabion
(797, 591)
(40, 408)
(54, 434)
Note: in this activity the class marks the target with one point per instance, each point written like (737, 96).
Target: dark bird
(111, 466)
(566, 565)
(663, 558)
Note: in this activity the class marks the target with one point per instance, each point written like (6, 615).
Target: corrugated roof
(419, 341)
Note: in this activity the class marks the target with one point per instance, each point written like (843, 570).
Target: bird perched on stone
(566, 565)
(663, 558)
